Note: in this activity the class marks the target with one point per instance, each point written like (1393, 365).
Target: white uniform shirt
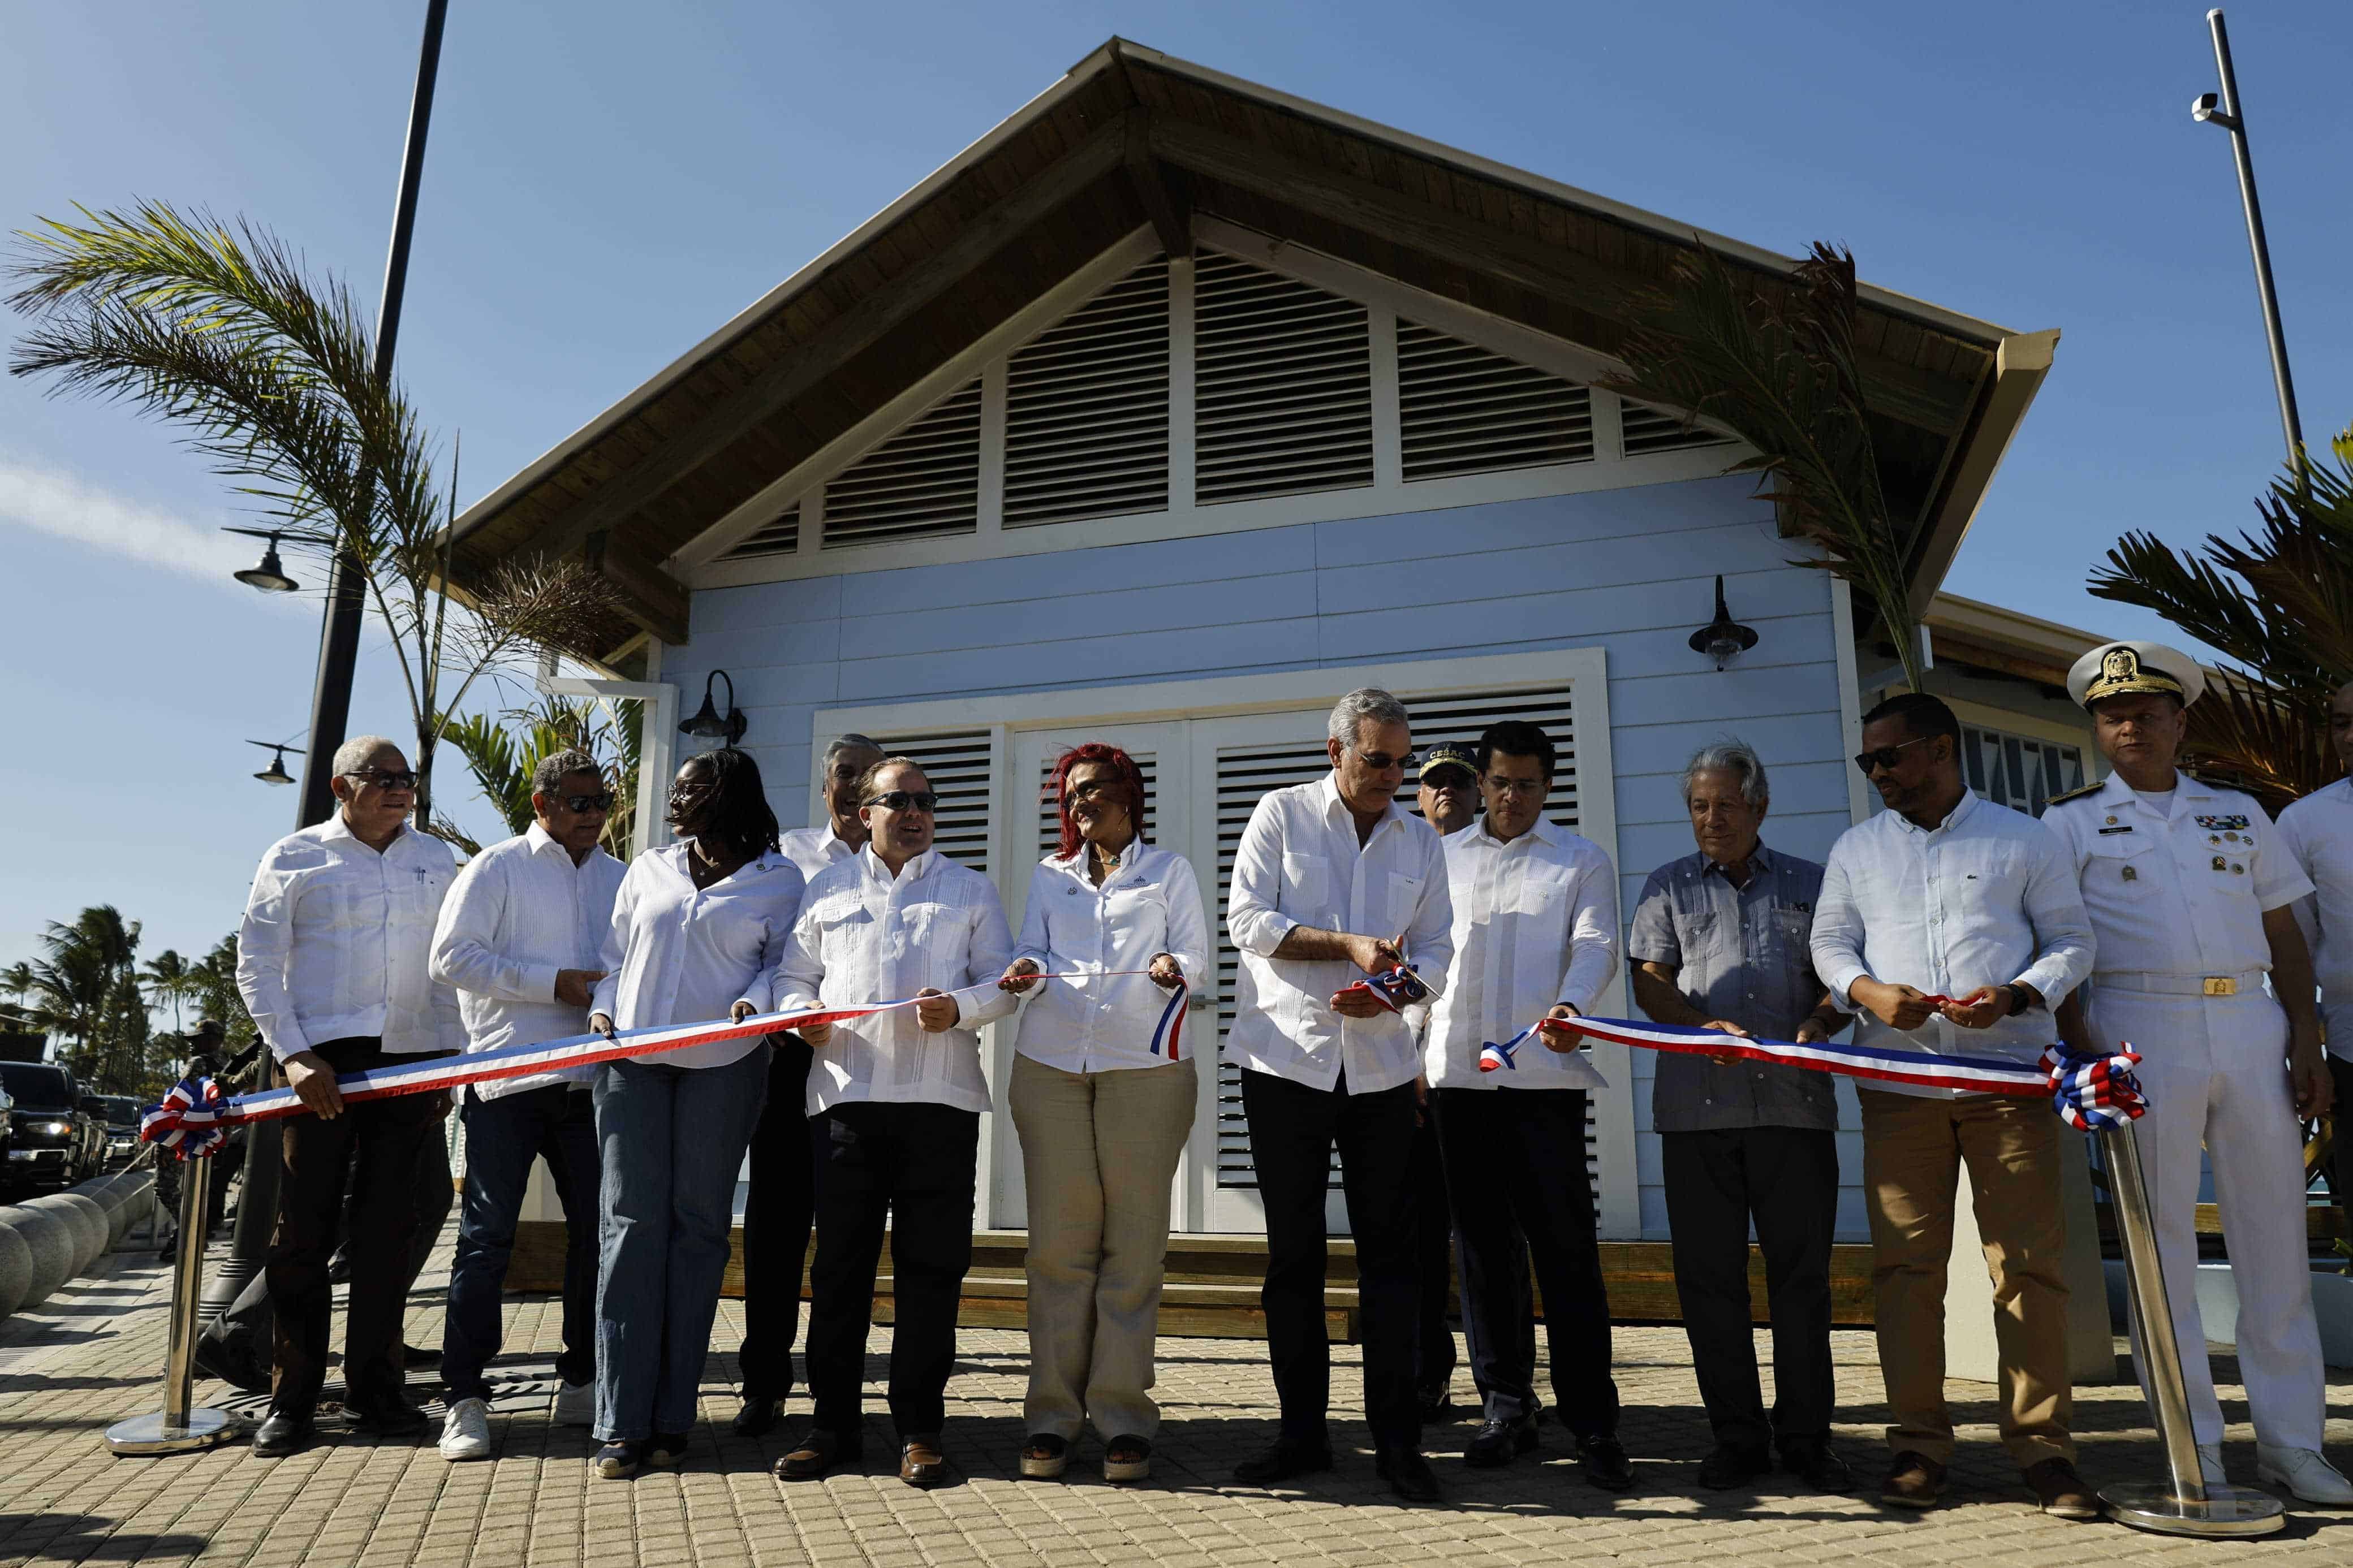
(1150, 904)
(1298, 863)
(337, 942)
(675, 953)
(2180, 891)
(815, 849)
(1536, 924)
(1986, 897)
(865, 936)
(520, 912)
(2318, 831)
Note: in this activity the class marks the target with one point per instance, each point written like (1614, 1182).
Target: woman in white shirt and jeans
(697, 930)
(1103, 1094)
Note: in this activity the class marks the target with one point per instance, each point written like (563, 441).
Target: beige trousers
(1099, 1152)
(1913, 1147)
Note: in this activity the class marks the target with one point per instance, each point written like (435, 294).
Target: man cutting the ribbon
(2191, 891)
(1955, 924)
(1325, 874)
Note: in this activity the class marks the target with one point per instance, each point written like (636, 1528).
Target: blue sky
(606, 182)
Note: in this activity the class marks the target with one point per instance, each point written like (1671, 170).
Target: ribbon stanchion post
(178, 1428)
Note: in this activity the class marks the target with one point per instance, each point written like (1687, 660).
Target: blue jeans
(673, 1138)
(504, 1136)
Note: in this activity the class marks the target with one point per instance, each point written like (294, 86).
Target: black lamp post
(1722, 640)
(275, 773)
(707, 724)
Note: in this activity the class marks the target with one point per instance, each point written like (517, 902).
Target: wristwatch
(2019, 999)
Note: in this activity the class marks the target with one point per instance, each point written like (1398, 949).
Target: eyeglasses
(1087, 789)
(385, 779)
(601, 801)
(681, 793)
(1516, 787)
(1886, 757)
(1382, 761)
(921, 800)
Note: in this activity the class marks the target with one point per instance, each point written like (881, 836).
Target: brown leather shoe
(920, 1463)
(1914, 1481)
(2061, 1491)
(816, 1454)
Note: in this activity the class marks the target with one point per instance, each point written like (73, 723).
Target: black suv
(121, 1120)
(50, 1136)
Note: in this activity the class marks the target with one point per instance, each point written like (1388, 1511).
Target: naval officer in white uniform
(2190, 890)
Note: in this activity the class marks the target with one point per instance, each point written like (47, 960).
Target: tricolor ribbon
(1492, 1056)
(1396, 987)
(187, 1122)
(1969, 1075)
(2090, 1092)
(1166, 1034)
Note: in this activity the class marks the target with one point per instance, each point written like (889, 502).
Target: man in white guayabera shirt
(333, 962)
(1535, 936)
(1946, 894)
(2318, 831)
(518, 940)
(894, 1102)
(1334, 882)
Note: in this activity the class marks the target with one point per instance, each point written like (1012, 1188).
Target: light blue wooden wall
(1631, 570)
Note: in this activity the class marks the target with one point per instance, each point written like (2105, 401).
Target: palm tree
(1773, 361)
(217, 329)
(2278, 604)
(170, 979)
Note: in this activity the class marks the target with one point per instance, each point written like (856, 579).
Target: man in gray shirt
(1720, 942)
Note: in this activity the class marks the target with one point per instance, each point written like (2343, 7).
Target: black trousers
(1292, 1131)
(776, 1212)
(1785, 1180)
(378, 1144)
(1433, 1217)
(1515, 1162)
(911, 1163)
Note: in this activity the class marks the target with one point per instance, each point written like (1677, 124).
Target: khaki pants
(1913, 1147)
(1098, 1150)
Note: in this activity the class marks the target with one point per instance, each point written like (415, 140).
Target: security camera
(2207, 110)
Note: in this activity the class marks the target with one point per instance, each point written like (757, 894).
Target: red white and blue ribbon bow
(1166, 1035)
(1970, 1075)
(1492, 1056)
(2095, 1091)
(188, 1122)
(1396, 987)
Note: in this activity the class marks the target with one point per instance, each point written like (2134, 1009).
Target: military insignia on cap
(2132, 668)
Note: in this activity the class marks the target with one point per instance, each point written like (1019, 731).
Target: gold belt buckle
(2220, 985)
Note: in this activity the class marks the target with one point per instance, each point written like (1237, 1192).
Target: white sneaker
(2303, 1473)
(2210, 1465)
(467, 1434)
(576, 1403)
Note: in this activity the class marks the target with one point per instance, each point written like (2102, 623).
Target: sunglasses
(921, 800)
(384, 779)
(1886, 757)
(1089, 789)
(1381, 761)
(601, 801)
(681, 793)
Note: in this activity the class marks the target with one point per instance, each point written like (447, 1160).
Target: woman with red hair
(1103, 1094)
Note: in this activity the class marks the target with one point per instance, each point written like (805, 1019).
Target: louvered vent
(1647, 430)
(921, 482)
(1086, 408)
(781, 537)
(1284, 379)
(1463, 410)
(959, 764)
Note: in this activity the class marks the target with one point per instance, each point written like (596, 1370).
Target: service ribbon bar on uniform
(1970, 1075)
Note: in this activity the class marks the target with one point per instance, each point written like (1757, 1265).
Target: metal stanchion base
(2226, 1510)
(154, 1434)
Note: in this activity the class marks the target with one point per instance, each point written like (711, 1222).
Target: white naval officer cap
(2131, 669)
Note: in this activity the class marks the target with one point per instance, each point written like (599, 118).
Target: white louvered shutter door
(1284, 385)
(1463, 410)
(1086, 408)
(922, 482)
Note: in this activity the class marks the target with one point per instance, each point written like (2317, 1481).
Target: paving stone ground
(91, 1355)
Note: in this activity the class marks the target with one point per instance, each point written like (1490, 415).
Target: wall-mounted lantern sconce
(1723, 638)
(707, 724)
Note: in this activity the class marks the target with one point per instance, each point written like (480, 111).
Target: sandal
(1044, 1457)
(1128, 1459)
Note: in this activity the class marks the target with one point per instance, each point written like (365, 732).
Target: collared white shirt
(2318, 832)
(1988, 896)
(337, 941)
(815, 849)
(867, 936)
(2180, 889)
(1536, 924)
(675, 953)
(1298, 863)
(520, 912)
(1148, 905)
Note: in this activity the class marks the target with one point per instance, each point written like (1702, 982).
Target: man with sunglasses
(334, 964)
(1952, 926)
(779, 1195)
(1332, 882)
(518, 939)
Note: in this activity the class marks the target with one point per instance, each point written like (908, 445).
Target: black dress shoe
(1287, 1458)
(1498, 1442)
(1815, 1462)
(1604, 1462)
(817, 1453)
(1407, 1474)
(759, 1415)
(283, 1432)
(392, 1418)
(1728, 1467)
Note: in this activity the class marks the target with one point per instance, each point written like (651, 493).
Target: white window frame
(1585, 669)
(699, 562)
